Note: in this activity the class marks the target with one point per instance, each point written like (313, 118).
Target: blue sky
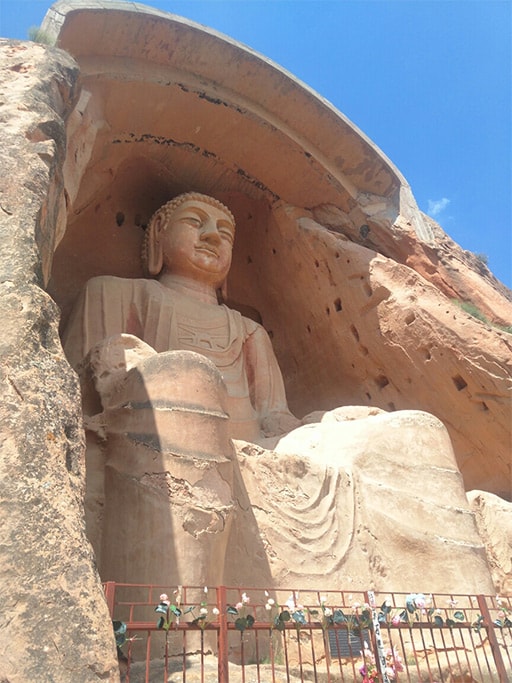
(429, 81)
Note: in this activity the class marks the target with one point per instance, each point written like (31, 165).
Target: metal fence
(252, 635)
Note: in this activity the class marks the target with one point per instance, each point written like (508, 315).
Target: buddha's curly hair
(169, 208)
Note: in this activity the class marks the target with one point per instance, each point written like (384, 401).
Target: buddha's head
(192, 236)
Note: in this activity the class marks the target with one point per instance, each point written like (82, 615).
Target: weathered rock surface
(54, 625)
(366, 319)
(464, 276)
(457, 273)
(388, 338)
(494, 520)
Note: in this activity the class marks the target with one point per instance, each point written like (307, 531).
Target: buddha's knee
(171, 404)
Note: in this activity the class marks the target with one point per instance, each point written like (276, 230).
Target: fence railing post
(223, 660)
(377, 638)
(493, 641)
(110, 594)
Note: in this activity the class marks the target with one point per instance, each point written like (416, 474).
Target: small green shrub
(37, 35)
(483, 259)
(470, 308)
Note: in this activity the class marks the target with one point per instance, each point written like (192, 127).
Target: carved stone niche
(325, 226)
(324, 222)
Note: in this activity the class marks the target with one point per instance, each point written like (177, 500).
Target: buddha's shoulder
(249, 324)
(113, 283)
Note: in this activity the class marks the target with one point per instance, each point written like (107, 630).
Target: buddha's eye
(194, 220)
(226, 234)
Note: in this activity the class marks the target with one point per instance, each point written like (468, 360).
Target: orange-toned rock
(363, 498)
(352, 283)
(494, 520)
(54, 622)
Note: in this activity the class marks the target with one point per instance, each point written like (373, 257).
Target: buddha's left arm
(266, 383)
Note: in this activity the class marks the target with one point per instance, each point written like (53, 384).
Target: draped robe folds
(363, 494)
(165, 320)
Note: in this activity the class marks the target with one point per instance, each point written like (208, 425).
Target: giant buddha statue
(188, 248)
(192, 447)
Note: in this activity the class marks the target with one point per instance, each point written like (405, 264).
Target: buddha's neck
(192, 288)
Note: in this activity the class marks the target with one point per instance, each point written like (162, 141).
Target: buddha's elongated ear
(154, 251)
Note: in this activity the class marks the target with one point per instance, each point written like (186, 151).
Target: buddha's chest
(202, 328)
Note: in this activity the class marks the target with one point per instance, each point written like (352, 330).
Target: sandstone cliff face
(494, 520)
(461, 275)
(375, 303)
(457, 273)
(54, 625)
(389, 337)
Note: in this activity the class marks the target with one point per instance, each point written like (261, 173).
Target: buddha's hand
(279, 422)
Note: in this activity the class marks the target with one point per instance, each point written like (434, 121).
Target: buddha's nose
(209, 230)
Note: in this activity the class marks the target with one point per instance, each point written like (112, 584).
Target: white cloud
(436, 206)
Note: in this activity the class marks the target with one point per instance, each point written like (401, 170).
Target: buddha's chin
(209, 263)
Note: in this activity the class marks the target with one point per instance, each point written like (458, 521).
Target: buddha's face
(197, 242)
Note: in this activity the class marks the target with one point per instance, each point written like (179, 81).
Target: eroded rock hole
(328, 310)
(337, 305)
(249, 259)
(410, 318)
(354, 332)
(119, 218)
(460, 382)
(381, 381)
(308, 328)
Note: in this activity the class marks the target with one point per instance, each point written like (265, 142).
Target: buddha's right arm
(107, 306)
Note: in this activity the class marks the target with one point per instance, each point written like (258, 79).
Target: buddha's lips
(208, 250)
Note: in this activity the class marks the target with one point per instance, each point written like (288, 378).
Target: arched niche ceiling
(208, 113)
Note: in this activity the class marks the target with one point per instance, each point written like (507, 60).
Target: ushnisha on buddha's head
(192, 237)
